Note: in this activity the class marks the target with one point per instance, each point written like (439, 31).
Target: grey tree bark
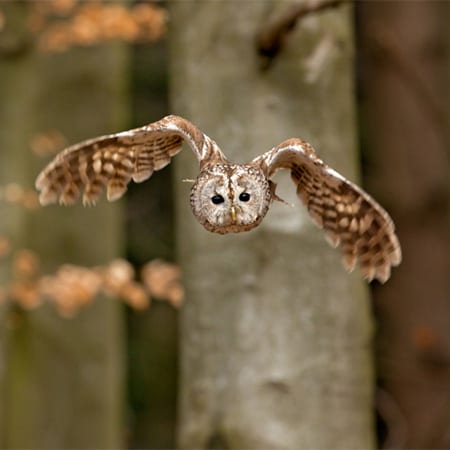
(275, 336)
(61, 380)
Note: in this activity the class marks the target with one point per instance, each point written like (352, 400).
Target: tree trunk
(275, 336)
(61, 380)
(405, 50)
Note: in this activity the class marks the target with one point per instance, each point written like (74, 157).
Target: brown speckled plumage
(226, 197)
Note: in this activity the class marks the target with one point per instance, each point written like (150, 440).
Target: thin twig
(271, 39)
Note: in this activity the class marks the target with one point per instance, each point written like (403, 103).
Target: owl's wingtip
(41, 181)
(396, 256)
(47, 196)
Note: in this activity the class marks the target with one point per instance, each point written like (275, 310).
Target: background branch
(271, 38)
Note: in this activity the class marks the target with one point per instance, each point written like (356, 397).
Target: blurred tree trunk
(405, 54)
(61, 379)
(275, 336)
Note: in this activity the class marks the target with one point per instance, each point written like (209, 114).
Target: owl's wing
(113, 160)
(350, 218)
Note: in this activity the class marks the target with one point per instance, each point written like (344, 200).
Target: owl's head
(230, 198)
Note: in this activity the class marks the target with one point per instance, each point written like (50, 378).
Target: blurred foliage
(72, 287)
(61, 24)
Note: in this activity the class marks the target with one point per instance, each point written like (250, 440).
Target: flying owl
(226, 197)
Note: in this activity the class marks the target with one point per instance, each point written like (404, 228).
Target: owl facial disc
(230, 198)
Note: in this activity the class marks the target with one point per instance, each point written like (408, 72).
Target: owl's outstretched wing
(350, 218)
(113, 160)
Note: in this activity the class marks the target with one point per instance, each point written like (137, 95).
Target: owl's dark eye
(217, 199)
(244, 197)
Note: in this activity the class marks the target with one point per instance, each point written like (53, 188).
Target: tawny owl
(227, 197)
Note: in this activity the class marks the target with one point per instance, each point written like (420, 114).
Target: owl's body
(226, 197)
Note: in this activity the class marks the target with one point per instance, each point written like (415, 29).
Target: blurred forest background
(127, 325)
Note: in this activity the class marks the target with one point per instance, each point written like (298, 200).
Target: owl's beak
(233, 214)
